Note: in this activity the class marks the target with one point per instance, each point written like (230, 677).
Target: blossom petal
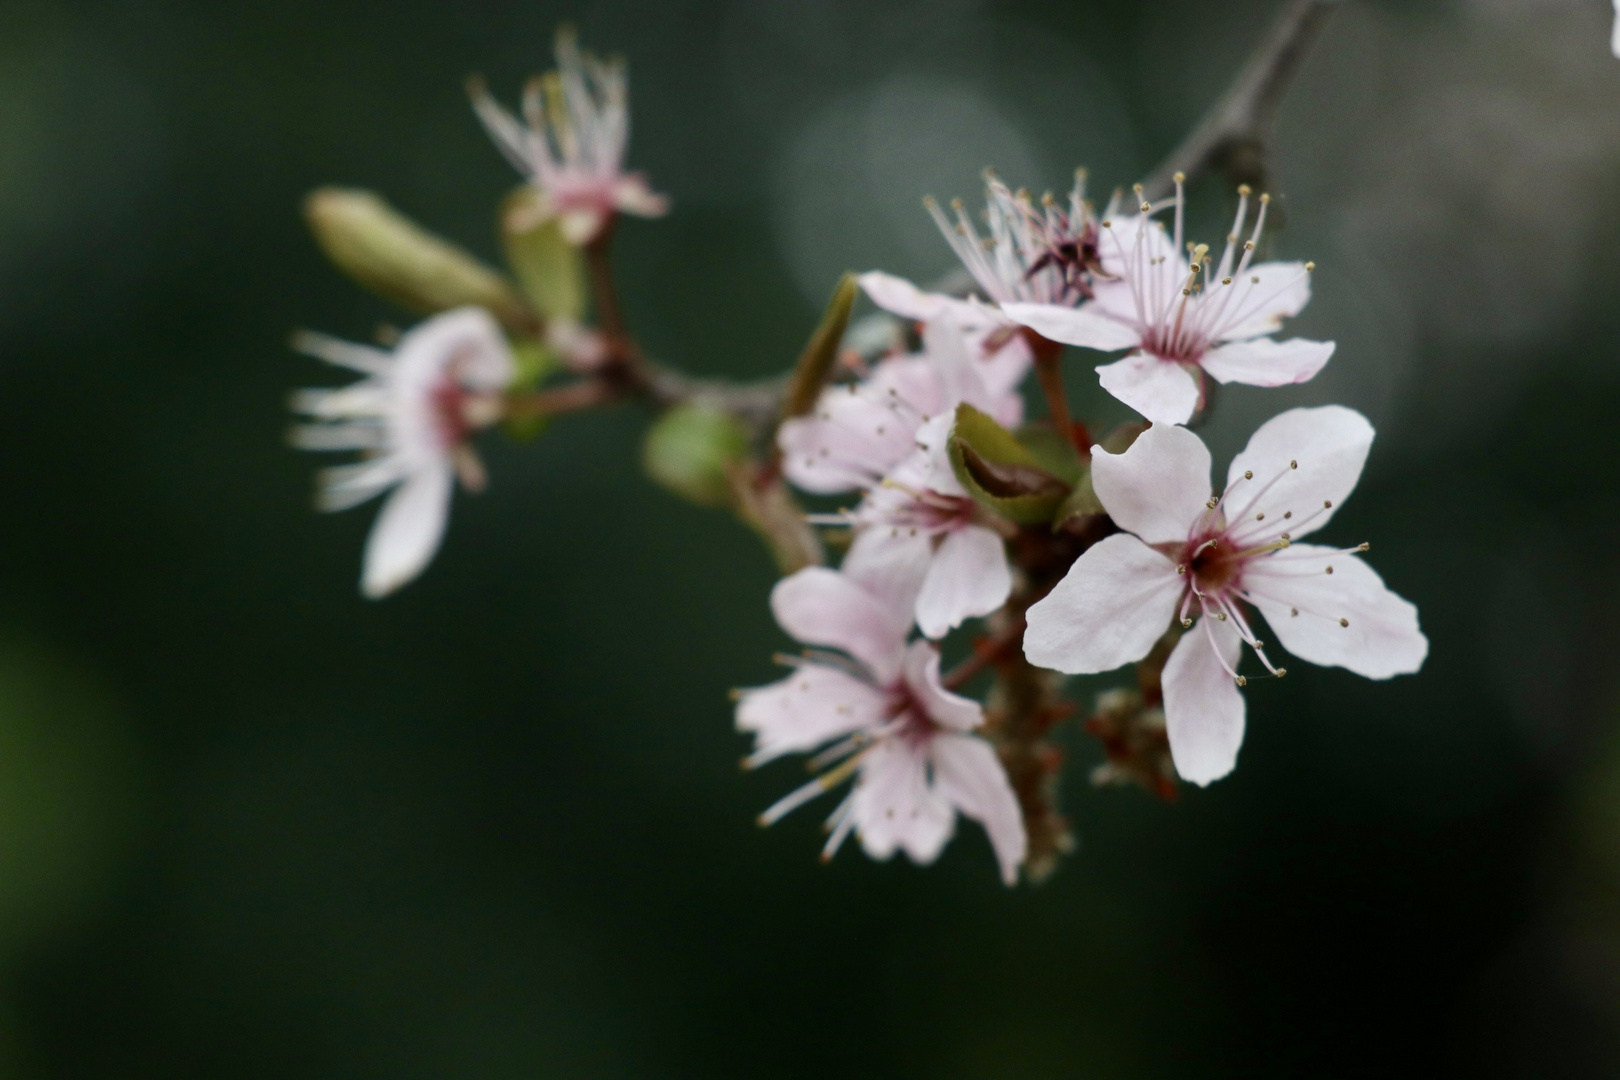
(823, 607)
(1161, 390)
(969, 775)
(1203, 709)
(900, 297)
(1614, 41)
(1267, 294)
(408, 530)
(943, 707)
(1113, 604)
(467, 337)
(1265, 362)
(814, 705)
(1081, 326)
(632, 195)
(1158, 487)
(895, 808)
(967, 576)
(1305, 462)
(1378, 636)
(890, 564)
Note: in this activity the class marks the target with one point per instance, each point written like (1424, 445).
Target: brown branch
(1235, 133)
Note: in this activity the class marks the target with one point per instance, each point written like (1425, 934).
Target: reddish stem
(1049, 372)
(986, 652)
(575, 397)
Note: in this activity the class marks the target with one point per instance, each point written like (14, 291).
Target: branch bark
(1234, 135)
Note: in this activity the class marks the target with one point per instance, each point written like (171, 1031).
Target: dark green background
(253, 826)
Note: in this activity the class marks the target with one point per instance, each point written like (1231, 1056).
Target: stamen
(797, 798)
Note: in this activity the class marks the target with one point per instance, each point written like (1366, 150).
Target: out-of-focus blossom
(920, 515)
(571, 142)
(1614, 37)
(1044, 256)
(410, 417)
(859, 431)
(883, 717)
(1201, 559)
(1183, 320)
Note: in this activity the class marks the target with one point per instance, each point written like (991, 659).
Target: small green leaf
(400, 261)
(1000, 472)
(1052, 451)
(550, 269)
(815, 364)
(691, 450)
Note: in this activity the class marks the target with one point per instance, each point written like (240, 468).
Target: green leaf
(691, 451)
(550, 269)
(1001, 473)
(815, 364)
(1052, 451)
(402, 262)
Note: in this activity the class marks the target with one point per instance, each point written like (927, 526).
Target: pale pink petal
(1158, 487)
(823, 607)
(1347, 619)
(969, 775)
(1267, 362)
(967, 577)
(1260, 306)
(895, 808)
(632, 196)
(1614, 40)
(466, 337)
(961, 375)
(1113, 604)
(943, 707)
(890, 564)
(812, 706)
(1203, 709)
(1305, 462)
(408, 530)
(931, 465)
(1162, 391)
(858, 431)
(1083, 326)
(900, 297)
(1138, 249)
(1003, 369)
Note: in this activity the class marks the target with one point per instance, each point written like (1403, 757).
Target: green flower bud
(692, 449)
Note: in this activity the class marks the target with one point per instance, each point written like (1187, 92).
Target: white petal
(1382, 638)
(1113, 604)
(1265, 362)
(1162, 391)
(1158, 487)
(900, 297)
(1614, 41)
(968, 774)
(931, 465)
(408, 530)
(812, 706)
(1301, 459)
(1260, 308)
(895, 808)
(967, 576)
(1203, 709)
(1003, 371)
(467, 337)
(943, 707)
(632, 196)
(1083, 326)
(823, 607)
(890, 565)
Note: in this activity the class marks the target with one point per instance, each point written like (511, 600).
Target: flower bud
(691, 449)
(402, 262)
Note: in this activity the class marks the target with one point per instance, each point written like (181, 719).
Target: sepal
(999, 472)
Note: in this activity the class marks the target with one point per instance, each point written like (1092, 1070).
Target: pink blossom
(1204, 559)
(1184, 320)
(860, 430)
(1043, 257)
(878, 713)
(410, 417)
(571, 142)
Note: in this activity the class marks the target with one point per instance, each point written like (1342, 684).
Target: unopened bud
(402, 262)
(691, 449)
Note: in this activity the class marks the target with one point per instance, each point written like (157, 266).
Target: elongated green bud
(400, 261)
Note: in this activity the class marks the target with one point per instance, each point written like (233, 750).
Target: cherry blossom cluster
(1058, 552)
(1159, 556)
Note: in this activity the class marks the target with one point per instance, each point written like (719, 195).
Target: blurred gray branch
(1235, 134)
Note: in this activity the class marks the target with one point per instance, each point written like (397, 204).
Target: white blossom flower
(1183, 320)
(859, 431)
(889, 722)
(1044, 257)
(571, 142)
(410, 417)
(1614, 39)
(919, 515)
(1203, 559)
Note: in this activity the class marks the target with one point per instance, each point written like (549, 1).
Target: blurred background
(253, 826)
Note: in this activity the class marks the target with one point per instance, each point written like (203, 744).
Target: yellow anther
(1330, 569)
(1293, 464)
(1244, 189)
(1180, 178)
(1265, 198)
(1248, 245)
(1248, 474)
(1241, 681)
(1309, 267)
(1344, 622)
(1146, 207)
